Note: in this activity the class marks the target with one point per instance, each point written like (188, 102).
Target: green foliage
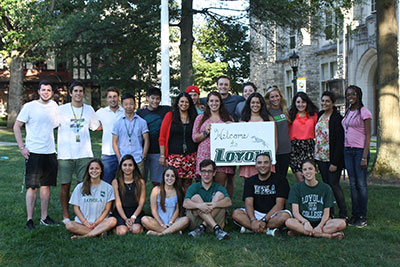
(224, 47)
(205, 73)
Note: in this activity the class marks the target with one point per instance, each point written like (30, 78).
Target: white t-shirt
(40, 120)
(73, 134)
(107, 118)
(93, 205)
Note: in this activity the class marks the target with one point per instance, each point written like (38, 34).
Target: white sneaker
(273, 232)
(244, 230)
(66, 220)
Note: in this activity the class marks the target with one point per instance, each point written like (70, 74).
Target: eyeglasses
(207, 171)
(351, 94)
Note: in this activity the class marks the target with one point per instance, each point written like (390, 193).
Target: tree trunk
(387, 164)
(186, 45)
(15, 89)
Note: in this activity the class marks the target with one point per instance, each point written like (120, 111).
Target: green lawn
(377, 244)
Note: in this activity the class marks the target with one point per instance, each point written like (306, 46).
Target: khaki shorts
(196, 220)
(68, 167)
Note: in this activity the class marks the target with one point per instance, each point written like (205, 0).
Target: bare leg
(220, 178)
(77, 228)
(104, 226)
(64, 198)
(279, 220)
(241, 217)
(151, 224)
(136, 229)
(121, 230)
(30, 200)
(44, 201)
(334, 225)
(299, 176)
(178, 225)
(295, 226)
(230, 185)
(209, 217)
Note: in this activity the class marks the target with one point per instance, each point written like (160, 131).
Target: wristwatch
(264, 220)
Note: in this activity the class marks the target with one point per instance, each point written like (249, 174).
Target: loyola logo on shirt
(102, 194)
(237, 156)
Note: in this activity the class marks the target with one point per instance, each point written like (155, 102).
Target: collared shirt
(206, 195)
(136, 127)
(108, 117)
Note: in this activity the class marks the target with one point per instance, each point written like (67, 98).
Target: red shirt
(303, 128)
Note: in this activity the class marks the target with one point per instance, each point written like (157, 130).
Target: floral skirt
(185, 164)
(301, 150)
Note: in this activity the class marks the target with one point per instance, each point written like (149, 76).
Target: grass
(377, 244)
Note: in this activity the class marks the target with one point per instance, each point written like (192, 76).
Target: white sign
(237, 144)
(301, 84)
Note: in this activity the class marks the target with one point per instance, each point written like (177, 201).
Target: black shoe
(361, 222)
(49, 222)
(220, 234)
(30, 225)
(198, 231)
(352, 221)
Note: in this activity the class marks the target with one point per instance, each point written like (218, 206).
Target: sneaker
(352, 221)
(66, 221)
(361, 222)
(49, 222)
(220, 234)
(273, 232)
(244, 230)
(198, 231)
(30, 225)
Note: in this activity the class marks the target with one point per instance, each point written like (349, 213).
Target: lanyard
(127, 130)
(73, 112)
(349, 120)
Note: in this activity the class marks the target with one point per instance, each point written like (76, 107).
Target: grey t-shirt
(93, 205)
(284, 144)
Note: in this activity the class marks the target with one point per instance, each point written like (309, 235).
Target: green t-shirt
(312, 200)
(206, 195)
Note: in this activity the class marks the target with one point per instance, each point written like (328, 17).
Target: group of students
(173, 142)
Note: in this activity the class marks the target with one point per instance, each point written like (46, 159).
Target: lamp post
(294, 63)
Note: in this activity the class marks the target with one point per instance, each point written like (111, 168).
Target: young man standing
(194, 93)
(74, 145)
(264, 198)
(153, 115)
(40, 118)
(206, 202)
(130, 133)
(108, 116)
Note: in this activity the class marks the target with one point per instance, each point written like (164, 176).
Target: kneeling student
(205, 202)
(264, 195)
(166, 206)
(311, 202)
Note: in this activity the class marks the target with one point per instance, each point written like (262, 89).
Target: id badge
(78, 138)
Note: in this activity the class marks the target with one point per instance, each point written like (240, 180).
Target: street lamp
(294, 63)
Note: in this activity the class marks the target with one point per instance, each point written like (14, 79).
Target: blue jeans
(153, 168)
(358, 180)
(110, 167)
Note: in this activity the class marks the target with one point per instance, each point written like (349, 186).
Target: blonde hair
(282, 103)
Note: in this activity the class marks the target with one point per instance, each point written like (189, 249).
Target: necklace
(129, 186)
(302, 120)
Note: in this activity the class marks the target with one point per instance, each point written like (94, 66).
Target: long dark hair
(137, 177)
(223, 112)
(311, 108)
(86, 178)
(332, 96)
(359, 98)
(176, 116)
(246, 113)
(177, 187)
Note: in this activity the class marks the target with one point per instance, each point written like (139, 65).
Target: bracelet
(20, 148)
(162, 156)
(363, 159)
(264, 220)
(133, 217)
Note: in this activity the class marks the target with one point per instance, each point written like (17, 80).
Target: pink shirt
(354, 129)
(303, 128)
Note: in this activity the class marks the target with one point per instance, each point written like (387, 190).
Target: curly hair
(311, 108)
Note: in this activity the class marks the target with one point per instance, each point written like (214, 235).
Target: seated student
(92, 200)
(130, 195)
(166, 206)
(311, 202)
(205, 202)
(264, 195)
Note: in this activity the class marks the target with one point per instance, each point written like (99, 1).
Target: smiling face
(207, 174)
(301, 105)
(129, 106)
(77, 94)
(154, 101)
(112, 99)
(247, 91)
(352, 97)
(45, 93)
(309, 171)
(326, 103)
(223, 86)
(255, 105)
(169, 178)
(275, 99)
(214, 103)
(183, 104)
(263, 165)
(94, 170)
(195, 97)
(127, 167)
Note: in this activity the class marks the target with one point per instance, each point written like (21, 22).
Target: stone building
(327, 62)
